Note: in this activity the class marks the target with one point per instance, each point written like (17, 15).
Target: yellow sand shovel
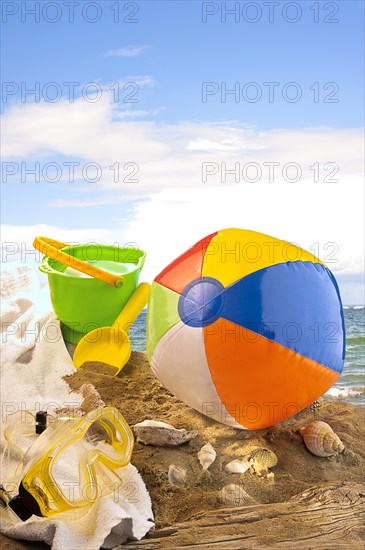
(111, 345)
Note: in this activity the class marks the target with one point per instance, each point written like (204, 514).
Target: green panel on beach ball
(162, 314)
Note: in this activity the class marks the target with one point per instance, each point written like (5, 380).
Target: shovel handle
(133, 307)
(52, 249)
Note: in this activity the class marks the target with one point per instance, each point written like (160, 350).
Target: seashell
(234, 495)
(154, 432)
(206, 456)
(264, 458)
(238, 466)
(320, 439)
(177, 475)
(315, 406)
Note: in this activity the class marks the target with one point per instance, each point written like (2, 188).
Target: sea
(351, 385)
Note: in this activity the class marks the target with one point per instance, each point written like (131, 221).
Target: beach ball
(246, 328)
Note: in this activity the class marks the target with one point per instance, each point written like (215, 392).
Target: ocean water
(350, 386)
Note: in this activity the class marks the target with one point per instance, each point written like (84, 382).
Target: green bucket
(82, 303)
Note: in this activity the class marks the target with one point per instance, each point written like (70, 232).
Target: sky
(160, 122)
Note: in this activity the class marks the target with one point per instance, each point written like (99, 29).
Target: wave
(345, 392)
(358, 307)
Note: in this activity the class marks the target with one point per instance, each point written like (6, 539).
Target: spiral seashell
(264, 458)
(234, 495)
(320, 439)
(238, 466)
(154, 432)
(177, 475)
(207, 456)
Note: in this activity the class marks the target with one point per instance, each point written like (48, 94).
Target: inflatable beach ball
(246, 328)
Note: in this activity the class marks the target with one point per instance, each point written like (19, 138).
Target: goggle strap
(24, 505)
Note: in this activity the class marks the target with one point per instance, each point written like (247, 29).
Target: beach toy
(111, 345)
(246, 328)
(89, 283)
(73, 451)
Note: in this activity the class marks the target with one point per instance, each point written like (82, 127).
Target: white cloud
(126, 51)
(141, 81)
(178, 207)
(134, 113)
(171, 155)
(172, 220)
(166, 225)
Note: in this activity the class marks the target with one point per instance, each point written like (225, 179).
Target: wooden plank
(324, 517)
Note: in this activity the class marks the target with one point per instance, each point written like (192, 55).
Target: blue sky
(170, 53)
(182, 52)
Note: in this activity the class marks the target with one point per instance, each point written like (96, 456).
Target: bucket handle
(51, 248)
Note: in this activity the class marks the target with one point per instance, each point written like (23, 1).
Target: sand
(139, 396)
(99, 368)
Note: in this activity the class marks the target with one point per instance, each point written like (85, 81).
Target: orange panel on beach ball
(259, 381)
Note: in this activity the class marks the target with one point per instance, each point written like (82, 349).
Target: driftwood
(324, 517)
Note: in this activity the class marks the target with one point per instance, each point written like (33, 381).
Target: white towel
(33, 361)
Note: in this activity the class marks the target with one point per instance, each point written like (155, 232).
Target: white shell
(154, 432)
(177, 475)
(207, 456)
(238, 466)
(234, 495)
(321, 440)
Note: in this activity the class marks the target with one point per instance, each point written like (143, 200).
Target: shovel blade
(104, 345)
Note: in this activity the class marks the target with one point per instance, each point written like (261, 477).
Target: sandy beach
(139, 396)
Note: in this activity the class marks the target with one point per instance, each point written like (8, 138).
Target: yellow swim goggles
(70, 465)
